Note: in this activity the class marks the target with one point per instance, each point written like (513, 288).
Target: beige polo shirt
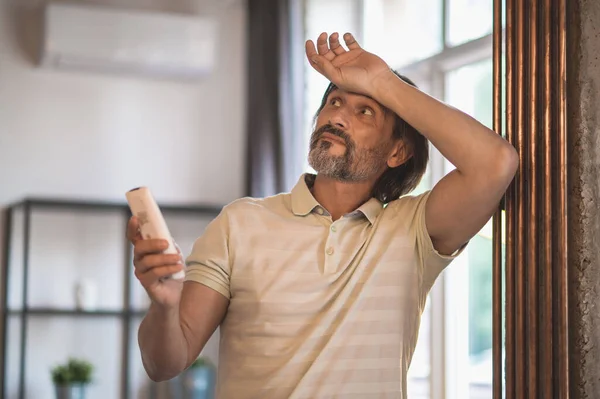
(318, 309)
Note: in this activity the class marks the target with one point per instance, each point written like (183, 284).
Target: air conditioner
(97, 38)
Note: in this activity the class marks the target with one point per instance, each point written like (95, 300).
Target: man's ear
(401, 154)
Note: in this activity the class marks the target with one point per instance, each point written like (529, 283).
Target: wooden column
(535, 307)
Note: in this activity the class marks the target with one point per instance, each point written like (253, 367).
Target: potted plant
(72, 378)
(198, 381)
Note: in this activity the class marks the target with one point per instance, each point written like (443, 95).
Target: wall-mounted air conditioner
(96, 38)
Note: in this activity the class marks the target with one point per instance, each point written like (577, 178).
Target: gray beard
(352, 167)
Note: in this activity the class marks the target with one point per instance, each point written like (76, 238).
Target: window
(469, 285)
(445, 46)
(323, 16)
(468, 20)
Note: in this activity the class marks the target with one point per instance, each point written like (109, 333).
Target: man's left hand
(354, 70)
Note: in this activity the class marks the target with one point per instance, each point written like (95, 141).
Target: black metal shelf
(74, 312)
(23, 311)
(95, 205)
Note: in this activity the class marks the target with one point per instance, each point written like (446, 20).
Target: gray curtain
(274, 96)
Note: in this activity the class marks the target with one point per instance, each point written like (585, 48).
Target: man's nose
(339, 120)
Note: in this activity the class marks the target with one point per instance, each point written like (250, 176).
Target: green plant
(75, 371)
(201, 362)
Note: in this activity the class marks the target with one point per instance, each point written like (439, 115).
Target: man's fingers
(323, 47)
(351, 41)
(156, 261)
(312, 55)
(147, 247)
(325, 67)
(151, 276)
(133, 230)
(321, 63)
(334, 44)
(310, 49)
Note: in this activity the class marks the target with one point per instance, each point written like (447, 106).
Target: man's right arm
(184, 314)
(172, 337)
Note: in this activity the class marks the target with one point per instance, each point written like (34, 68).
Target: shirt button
(333, 228)
(320, 211)
(329, 251)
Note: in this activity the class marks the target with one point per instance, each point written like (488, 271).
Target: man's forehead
(339, 91)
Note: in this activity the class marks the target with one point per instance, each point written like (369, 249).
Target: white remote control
(152, 223)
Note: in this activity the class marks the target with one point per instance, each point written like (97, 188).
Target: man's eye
(368, 111)
(335, 102)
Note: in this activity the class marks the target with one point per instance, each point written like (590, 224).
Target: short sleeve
(209, 261)
(432, 262)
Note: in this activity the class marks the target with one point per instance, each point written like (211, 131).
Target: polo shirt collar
(303, 202)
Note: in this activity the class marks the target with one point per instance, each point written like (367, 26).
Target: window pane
(469, 89)
(419, 372)
(323, 16)
(468, 20)
(403, 31)
(424, 184)
(420, 367)
(469, 287)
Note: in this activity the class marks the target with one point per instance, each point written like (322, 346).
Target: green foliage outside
(480, 294)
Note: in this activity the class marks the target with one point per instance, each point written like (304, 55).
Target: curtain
(274, 96)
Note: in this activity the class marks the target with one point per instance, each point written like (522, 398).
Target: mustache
(329, 128)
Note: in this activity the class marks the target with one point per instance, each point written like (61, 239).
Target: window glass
(469, 89)
(468, 20)
(403, 31)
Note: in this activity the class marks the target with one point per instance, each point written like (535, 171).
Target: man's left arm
(464, 200)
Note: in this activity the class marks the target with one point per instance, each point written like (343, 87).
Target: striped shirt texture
(318, 308)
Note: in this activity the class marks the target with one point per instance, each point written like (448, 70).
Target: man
(319, 292)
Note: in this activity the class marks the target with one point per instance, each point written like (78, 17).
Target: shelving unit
(19, 227)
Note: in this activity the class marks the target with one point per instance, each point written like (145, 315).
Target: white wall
(78, 136)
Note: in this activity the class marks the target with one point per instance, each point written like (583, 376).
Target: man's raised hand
(354, 69)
